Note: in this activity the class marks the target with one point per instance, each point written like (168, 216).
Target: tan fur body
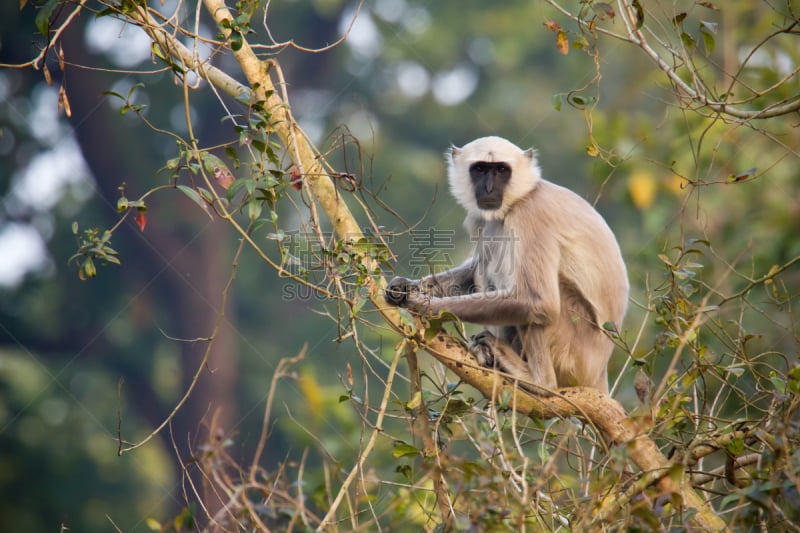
(545, 275)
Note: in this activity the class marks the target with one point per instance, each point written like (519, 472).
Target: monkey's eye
(478, 167)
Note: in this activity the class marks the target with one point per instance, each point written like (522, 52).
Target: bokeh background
(84, 361)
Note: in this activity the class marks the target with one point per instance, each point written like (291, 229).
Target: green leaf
(504, 401)
(639, 14)
(156, 50)
(253, 209)
(205, 194)
(210, 161)
(88, 268)
(359, 303)
(794, 377)
(233, 155)
(729, 499)
(185, 520)
(404, 470)
(556, 100)
(736, 446)
(114, 93)
(43, 16)
(133, 89)
(236, 41)
(243, 20)
(238, 184)
(173, 163)
(407, 321)
(75, 228)
(777, 382)
(415, 402)
(193, 195)
(580, 102)
(708, 30)
(734, 178)
(401, 449)
(457, 408)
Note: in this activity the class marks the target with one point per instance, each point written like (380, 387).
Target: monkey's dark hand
(400, 291)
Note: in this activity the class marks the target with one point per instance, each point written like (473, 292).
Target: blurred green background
(81, 361)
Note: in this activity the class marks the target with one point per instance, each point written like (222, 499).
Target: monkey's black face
(489, 181)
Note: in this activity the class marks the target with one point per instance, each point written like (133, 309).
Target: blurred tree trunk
(190, 287)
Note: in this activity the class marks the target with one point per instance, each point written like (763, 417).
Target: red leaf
(223, 176)
(552, 25)
(296, 179)
(141, 220)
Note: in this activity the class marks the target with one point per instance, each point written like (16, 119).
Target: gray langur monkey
(546, 272)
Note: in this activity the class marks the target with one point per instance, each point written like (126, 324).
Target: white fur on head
(525, 173)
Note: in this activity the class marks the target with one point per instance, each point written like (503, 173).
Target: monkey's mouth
(489, 203)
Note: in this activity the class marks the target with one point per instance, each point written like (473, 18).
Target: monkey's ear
(530, 153)
(453, 151)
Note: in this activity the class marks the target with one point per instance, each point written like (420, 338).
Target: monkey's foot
(494, 353)
(481, 346)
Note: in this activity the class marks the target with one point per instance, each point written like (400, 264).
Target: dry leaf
(562, 42)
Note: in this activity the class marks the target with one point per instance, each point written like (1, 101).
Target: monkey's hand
(400, 292)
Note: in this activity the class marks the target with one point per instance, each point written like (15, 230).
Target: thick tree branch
(589, 404)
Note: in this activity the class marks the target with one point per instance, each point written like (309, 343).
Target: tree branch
(682, 88)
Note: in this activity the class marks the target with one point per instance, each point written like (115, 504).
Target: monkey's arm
(492, 308)
(453, 282)
(459, 280)
(534, 297)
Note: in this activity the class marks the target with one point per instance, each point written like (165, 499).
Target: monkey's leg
(493, 353)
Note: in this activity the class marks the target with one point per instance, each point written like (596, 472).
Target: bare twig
(694, 92)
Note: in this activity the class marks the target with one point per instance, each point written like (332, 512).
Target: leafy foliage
(691, 158)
